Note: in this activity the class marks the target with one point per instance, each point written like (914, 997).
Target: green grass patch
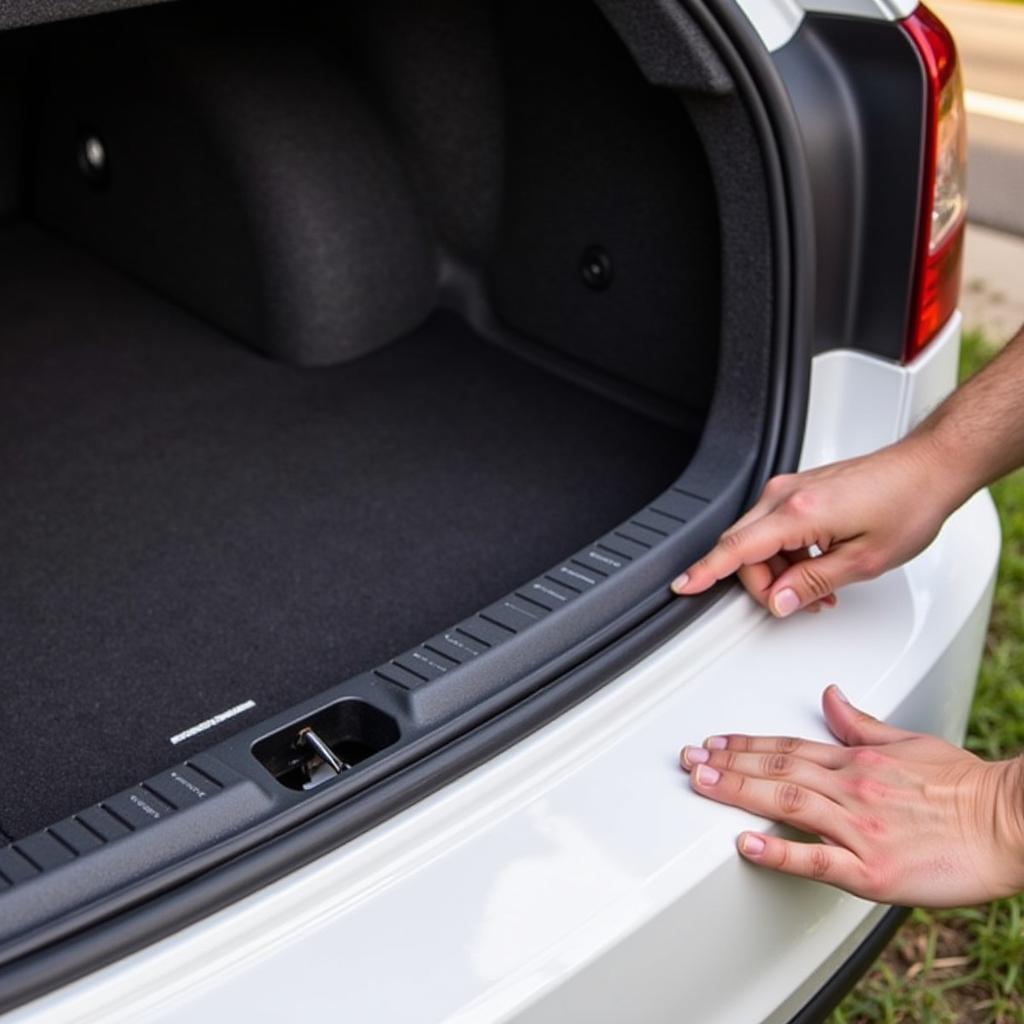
(967, 966)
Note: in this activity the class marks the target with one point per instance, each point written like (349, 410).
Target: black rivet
(596, 268)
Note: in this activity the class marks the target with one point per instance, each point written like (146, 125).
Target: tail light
(944, 188)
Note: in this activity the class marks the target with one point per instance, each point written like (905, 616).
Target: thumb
(854, 727)
(810, 580)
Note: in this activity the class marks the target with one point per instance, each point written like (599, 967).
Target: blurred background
(990, 37)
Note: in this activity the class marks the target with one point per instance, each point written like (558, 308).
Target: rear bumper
(575, 876)
(718, 939)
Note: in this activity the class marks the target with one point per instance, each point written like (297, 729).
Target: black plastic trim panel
(74, 862)
(859, 90)
(831, 994)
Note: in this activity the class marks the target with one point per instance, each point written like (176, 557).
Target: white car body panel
(776, 21)
(884, 399)
(576, 877)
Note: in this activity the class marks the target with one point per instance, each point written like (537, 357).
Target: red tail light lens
(944, 188)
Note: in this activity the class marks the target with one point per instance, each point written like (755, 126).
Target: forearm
(977, 435)
(1012, 823)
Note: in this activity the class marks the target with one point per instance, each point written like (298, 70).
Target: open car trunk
(363, 368)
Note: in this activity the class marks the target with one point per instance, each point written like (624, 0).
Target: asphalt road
(990, 39)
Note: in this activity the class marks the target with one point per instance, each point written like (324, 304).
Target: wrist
(947, 475)
(1010, 816)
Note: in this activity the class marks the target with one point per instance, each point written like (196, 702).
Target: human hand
(905, 818)
(866, 515)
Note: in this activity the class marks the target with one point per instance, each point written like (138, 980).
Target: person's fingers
(818, 861)
(854, 727)
(791, 558)
(828, 755)
(757, 579)
(811, 579)
(764, 506)
(754, 543)
(765, 766)
(780, 800)
(772, 495)
(829, 601)
(755, 512)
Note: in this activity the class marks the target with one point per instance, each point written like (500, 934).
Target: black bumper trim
(853, 969)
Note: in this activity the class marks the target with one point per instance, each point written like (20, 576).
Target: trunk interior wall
(189, 524)
(248, 179)
(596, 158)
(12, 129)
(296, 185)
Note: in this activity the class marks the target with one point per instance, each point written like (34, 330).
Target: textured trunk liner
(186, 525)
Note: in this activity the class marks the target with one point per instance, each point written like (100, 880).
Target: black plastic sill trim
(853, 969)
(155, 915)
(412, 760)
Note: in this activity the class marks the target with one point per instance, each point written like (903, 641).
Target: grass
(967, 966)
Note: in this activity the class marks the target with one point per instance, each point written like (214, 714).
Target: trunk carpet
(186, 525)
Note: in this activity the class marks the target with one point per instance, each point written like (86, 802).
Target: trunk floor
(186, 525)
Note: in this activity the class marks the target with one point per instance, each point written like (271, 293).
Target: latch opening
(329, 743)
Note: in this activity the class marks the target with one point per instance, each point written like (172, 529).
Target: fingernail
(705, 775)
(716, 743)
(839, 693)
(751, 845)
(695, 755)
(831, 600)
(680, 581)
(785, 602)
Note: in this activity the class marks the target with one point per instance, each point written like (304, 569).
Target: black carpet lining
(186, 525)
